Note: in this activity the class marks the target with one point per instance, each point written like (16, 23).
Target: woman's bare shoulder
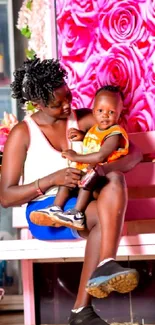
(85, 118)
(20, 134)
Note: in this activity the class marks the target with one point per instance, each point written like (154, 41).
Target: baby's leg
(82, 200)
(62, 196)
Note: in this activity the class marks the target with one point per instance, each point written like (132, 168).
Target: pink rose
(83, 94)
(150, 16)
(122, 22)
(72, 72)
(86, 7)
(4, 132)
(62, 6)
(150, 75)
(141, 122)
(75, 41)
(104, 4)
(76, 30)
(140, 116)
(124, 66)
(86, 86)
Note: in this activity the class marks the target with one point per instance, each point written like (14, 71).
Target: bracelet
(39, 192)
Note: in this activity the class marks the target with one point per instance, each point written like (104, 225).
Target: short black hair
(35, 80)
(112, 89)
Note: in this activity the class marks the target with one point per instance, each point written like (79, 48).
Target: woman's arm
(12, 194)
(125, 163)
(110, 145)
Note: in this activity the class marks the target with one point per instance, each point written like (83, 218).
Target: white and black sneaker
(55, 217)
(44, 217)
(71, 218)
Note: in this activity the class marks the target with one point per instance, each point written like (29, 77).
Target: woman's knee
(91, 214)
(117, 178)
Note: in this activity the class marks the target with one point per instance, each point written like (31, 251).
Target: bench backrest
(141, 180)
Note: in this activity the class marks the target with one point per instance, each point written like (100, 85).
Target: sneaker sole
(42, 219)
(122, 282)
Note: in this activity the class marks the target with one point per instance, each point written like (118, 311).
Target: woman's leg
(111, 207)
(104, 233)
(91, 253)
(95, 241)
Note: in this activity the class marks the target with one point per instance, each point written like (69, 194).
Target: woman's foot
(55, 217)
(86, 316)
(2, 292)
(112, 277)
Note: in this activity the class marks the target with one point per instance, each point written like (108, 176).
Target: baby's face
(107, 109)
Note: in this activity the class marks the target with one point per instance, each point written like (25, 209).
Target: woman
(34, 147)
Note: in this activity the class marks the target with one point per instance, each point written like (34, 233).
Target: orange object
(95, 138)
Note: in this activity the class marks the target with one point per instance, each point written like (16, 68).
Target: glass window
(6, 57)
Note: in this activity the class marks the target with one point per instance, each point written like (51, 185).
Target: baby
(104, 142)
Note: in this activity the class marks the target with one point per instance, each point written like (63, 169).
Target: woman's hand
(67, 177)
(75, 134)
(70, 154)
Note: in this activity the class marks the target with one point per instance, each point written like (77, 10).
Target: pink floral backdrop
(110, 42)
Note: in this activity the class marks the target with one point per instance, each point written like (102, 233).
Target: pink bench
(138, 238)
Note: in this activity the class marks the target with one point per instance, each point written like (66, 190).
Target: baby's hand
(75, 135)
(69, 154)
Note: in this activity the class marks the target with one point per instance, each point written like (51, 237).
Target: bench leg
(28, 286)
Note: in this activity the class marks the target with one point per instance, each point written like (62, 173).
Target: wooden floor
(11, 318)
(18, 319)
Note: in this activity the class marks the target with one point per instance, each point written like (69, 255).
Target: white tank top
(42, 159)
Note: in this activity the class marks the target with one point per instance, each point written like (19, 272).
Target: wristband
(39, 192)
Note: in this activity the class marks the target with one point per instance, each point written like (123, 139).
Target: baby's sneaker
(71, 218)
(46, 217)
(55, 217)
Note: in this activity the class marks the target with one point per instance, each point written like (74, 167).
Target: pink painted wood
(144, 140)
(28, 285)
(142, 175)
(142, 209)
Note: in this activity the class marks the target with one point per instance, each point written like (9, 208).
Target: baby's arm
(75, 134)
(110, 144)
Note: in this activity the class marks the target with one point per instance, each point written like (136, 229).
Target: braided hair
(112, 89)
(36, 79)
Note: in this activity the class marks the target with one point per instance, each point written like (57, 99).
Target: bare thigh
(91, 213)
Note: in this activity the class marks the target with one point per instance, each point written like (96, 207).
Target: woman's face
(60, 105)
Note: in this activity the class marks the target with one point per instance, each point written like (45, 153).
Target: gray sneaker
(71, 218)
(55, 217)
(44, 217)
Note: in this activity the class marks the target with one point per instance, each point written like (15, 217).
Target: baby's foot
(71, 218)
(45, 217)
